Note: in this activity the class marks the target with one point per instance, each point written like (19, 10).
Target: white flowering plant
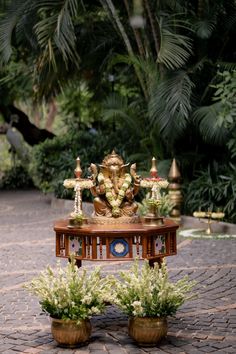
(67, 293)
(149, 293)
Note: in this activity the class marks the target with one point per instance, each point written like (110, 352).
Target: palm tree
(172, 51)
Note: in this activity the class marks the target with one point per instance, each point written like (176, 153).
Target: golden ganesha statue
(114, 189)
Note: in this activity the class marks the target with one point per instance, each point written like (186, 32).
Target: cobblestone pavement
(203, 325)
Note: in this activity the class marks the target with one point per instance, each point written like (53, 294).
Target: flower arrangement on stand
(148, 298)
(71, 298)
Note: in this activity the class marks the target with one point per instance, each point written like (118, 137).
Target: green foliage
(54, 160)
(17, 177)
(170, 104)
(175, 48)
(53, 31)
(226, 94)
(149, 293)
(65, 294)
(77, 106)
(209, 127)
(232, 145)
(130, 117)
(5, 159)
(119, 109)
(205, 27)
(15, 82)
(164, 205)
(218, 119)
(213, 189)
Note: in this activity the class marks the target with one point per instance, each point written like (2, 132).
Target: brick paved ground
(204, 325)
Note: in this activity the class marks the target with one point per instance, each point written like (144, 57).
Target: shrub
(17, 177)
(54, 160)
(213, 189)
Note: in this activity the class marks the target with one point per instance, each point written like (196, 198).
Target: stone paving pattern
(203, 325)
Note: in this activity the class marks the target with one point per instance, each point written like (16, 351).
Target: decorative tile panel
(75, 245)
(119, 248)
(160, 244)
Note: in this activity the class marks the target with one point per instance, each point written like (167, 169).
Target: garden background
(148, 78)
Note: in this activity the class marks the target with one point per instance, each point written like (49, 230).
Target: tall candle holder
(208, 217)
(77, 217)
(155, 184)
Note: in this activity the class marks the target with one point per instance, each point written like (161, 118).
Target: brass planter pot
(69, 334)
(147, 331)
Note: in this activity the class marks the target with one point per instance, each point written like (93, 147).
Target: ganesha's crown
(113, 159)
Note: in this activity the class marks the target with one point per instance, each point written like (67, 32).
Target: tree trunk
(31, 134)
(153, 27)
(136, 33)
(108, 5)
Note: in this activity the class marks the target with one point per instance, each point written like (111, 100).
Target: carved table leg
(152, 261)
(78, 262)
(160, 261)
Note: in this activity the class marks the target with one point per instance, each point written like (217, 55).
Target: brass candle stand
(154, 183)
(77, 218)
(208, 217)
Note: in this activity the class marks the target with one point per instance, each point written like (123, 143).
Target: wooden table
(116, 241)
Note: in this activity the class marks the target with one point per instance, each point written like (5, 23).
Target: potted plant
(70, 297)
(76, 219)
(162, 206)
(148, 298)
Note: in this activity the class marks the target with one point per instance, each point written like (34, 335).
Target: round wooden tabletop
(132, 228)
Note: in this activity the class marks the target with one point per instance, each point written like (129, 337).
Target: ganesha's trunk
(115, 181)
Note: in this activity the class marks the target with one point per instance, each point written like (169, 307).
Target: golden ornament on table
(174, 191)
(114, 189)
(77, 218)
(209, 217)
(155, 184)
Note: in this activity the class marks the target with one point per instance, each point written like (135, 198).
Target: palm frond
(170, 104)
(175, 48)
(222, 65)
(147, 67)
(47, 23)
(210, 125)
(199, 65)
(116, 107)
(55, 31)
(14, 11)
(24, 30)
(205, 27)
(174, 5)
